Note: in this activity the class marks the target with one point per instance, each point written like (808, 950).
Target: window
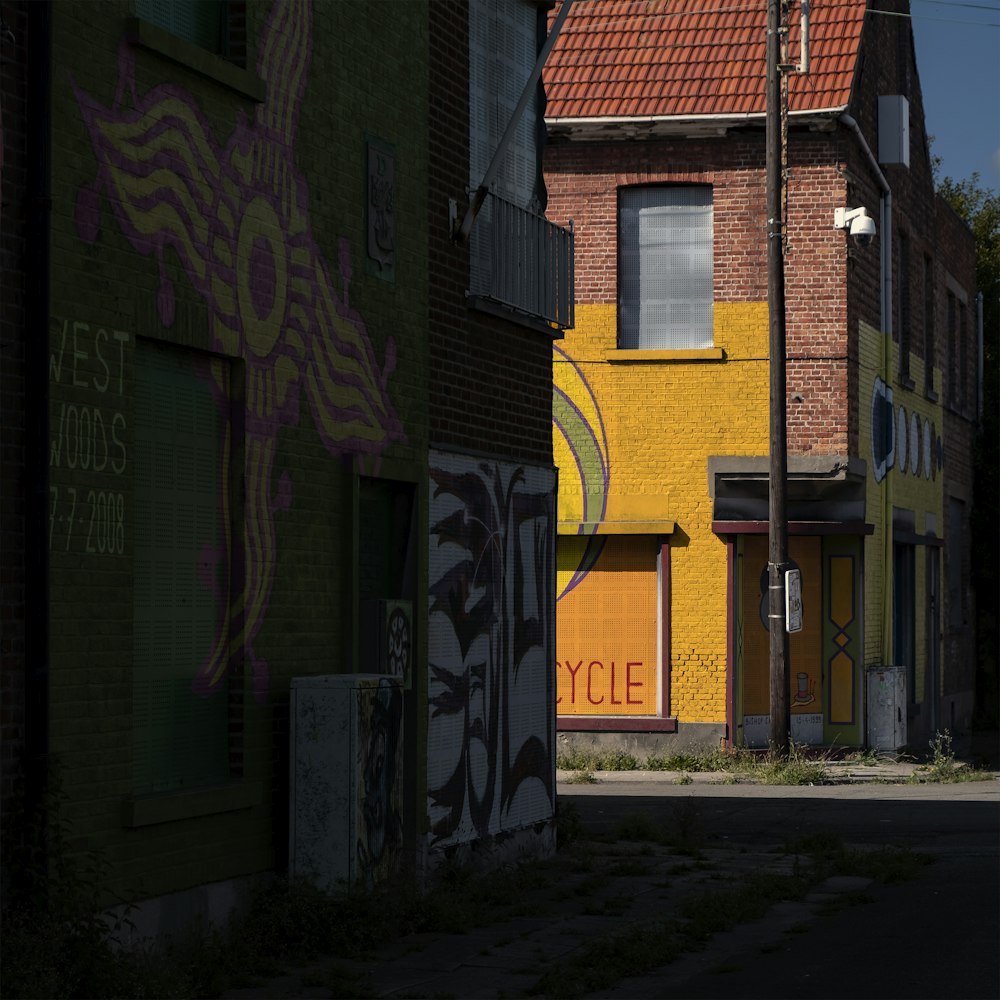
(958, 351)
(929, 338)
(503, 46)
(957, 563)
(182, 575)
(952, 347)
(905, 318)
(518, 260)
(962, 382)
(665, 268)
(201, 22)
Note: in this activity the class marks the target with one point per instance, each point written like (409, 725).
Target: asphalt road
(935, 937)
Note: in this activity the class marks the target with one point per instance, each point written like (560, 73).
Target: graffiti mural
(579, 432)
(236, 214)
(490, 646)
(379, 823)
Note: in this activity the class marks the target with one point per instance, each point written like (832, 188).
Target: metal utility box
(886, 707)
(894, 130)
(345, 780)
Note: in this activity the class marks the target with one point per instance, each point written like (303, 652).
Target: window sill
(167, 807)
(701, 354)
(149, 36)
(906, 382)
(930, 395)
(615, 724)
(616, 527)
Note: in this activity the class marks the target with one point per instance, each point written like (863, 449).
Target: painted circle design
(914, 444)
(901, 440)
(261, 276)
(928, 440)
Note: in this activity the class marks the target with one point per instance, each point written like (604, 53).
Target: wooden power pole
(777, 513)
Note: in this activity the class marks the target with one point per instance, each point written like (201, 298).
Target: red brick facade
(916, 278)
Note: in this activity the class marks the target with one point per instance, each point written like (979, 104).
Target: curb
(834, 774)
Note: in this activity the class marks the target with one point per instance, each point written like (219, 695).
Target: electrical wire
(650, 20)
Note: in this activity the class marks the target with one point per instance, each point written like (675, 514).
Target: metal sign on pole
(793, 600)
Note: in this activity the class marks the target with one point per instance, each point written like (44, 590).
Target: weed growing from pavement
(569, 825)
(797, 768)
(55, 942)
(683, 829)
(699, 916)
(942, 766)
(640, 948)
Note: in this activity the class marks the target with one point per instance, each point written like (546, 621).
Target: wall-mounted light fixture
(860, 224)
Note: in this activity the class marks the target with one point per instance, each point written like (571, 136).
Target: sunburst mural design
(237, 216)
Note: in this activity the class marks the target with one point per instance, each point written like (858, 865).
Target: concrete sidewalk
(835, 773)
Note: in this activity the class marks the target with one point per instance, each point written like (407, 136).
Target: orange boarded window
(606, 626)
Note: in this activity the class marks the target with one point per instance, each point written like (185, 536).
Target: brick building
(288, 427)
(656, 152)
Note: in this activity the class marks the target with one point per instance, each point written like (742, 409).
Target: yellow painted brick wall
(662, 420)
(920, 492)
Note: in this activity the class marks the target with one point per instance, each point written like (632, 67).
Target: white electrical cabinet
(346, 773)
(886, 707)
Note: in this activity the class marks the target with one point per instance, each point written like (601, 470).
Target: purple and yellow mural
(578, 432)
(490, 646)
(236, 214)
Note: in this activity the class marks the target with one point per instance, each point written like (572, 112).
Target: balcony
(522, 262)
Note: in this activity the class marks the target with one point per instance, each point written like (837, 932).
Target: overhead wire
(650, 19)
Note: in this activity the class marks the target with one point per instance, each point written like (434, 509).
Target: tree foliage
(979, 206)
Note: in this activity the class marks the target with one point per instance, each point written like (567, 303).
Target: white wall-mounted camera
(858, 222)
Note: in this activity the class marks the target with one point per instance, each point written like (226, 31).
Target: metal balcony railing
(523, 261)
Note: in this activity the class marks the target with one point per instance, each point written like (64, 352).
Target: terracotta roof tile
(675, 57)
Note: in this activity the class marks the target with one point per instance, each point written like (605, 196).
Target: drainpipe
(803, 66)
(885, 302)
(979, 373)
(36, 411)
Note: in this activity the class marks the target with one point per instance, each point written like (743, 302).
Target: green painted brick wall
(366, 81)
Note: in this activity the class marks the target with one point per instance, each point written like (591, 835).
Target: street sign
(793, 600)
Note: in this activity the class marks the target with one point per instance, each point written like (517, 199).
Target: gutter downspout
(885, 321)
(36, 408)
(980, 371)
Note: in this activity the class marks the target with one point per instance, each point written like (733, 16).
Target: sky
(958, 60)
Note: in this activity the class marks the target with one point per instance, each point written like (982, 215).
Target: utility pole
(777, 508)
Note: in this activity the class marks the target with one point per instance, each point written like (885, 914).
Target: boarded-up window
(201, 22)
(181, 552)
(665, 268)
(607, 626)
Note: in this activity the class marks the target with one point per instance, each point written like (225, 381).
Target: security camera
(863, 230)
(858, 222)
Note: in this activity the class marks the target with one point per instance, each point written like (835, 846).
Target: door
(805, 695)
(932, 675)
(843, 641)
